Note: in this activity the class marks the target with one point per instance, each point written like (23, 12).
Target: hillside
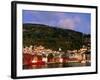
(53, 38)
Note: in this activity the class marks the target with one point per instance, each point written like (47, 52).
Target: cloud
(67, 23)
(77, 19)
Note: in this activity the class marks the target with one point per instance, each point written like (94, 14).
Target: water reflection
(56, 65)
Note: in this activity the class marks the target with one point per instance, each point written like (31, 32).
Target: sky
(80, 22)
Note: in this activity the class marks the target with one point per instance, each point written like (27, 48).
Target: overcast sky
(66, 20)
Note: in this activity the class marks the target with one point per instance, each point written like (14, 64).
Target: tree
(50, 56)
